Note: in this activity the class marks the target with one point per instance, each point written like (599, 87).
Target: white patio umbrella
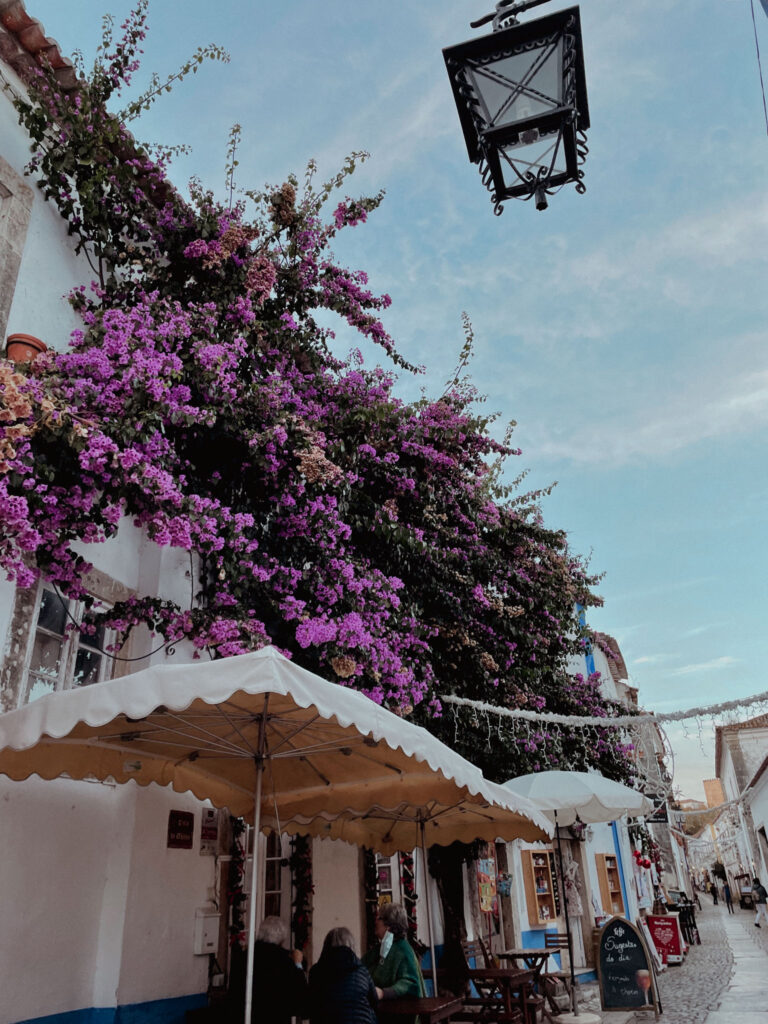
(566, 797)
(588, 796)
(274, 743)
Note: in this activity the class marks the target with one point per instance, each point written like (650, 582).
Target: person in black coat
(341, 991)
(279, 985)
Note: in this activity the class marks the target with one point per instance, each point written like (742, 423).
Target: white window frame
(71, 642)
(285, 892)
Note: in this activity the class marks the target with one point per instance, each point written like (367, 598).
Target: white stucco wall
(165, 886)
(96, 910)
(754, 747)
(728, 775)
(607, 685)
(758, 802)
(54, 847)
(49, 268)
(338, 899)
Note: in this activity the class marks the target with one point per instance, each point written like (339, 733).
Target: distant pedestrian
(727, 897)
(761, 897)
(713, 892)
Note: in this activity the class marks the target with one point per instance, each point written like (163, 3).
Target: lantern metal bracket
(506, 13)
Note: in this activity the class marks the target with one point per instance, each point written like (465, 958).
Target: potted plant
(22, 348)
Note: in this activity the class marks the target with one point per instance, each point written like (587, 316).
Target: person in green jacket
(392, 962)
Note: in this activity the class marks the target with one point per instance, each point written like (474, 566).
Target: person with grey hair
(279, 985)
(341, 991)
(392, 962)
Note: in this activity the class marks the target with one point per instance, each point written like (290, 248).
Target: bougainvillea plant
(369, 538)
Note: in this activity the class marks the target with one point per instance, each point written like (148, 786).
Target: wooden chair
(487, 1007)
(556, 985)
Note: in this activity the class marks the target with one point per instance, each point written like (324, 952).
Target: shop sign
(625, 969)
(181, 828)
(660, 815)
(665, 932)
(209, 832)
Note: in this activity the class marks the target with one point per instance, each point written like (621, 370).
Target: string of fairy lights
(644, 730)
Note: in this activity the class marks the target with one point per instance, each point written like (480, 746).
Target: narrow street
(722, 981)
(744, 999)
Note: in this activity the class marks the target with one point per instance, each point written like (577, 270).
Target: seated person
(341, 991)
(392, 962)
(279, 985)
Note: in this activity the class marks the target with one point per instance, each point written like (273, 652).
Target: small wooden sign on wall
(181, 829)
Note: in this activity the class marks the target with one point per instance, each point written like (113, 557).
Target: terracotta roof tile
(610, 647)
(32, 47)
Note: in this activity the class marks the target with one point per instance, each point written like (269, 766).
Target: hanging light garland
(584, 721)
(644, 730)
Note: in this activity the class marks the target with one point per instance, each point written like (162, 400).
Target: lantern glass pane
(532, 154)
(513, 88)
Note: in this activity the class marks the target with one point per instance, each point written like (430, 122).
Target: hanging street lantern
(521, 93)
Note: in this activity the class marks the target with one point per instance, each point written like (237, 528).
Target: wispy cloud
(714, 665)
(698, 630)
(657, 426)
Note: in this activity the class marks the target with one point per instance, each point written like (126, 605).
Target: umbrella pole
(574, 1002)
(433, 961)
(259, 761)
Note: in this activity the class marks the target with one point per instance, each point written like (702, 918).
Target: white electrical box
(206, 931)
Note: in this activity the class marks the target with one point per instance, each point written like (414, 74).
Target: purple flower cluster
(365, 536)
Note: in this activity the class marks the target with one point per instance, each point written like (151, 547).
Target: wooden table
(513, 985)
(430, 1009)
(534, 959)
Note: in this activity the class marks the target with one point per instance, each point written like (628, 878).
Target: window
(41, 655)
(273, 875)
(61, 657)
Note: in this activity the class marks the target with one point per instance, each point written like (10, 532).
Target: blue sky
(624, 330)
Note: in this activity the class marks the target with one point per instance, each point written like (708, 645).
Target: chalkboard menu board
(625, 971)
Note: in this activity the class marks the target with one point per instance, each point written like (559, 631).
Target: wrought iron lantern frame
(564, 124)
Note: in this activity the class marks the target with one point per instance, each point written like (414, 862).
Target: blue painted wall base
(425, 967)
(158, 1011)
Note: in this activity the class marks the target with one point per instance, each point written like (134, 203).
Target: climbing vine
(372, 539)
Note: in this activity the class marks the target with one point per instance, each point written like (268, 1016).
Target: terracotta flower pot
(22, 348)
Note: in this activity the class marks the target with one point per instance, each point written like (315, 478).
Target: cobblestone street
(722, 981)
(691, 991)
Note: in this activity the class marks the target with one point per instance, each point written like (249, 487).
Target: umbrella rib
(228, 718)
(317, 771)
(287, 739)
(233, 752)
(119, 749)
(314, 748)
(204, 732)
(160, 726)
(367, 757)
(146, 736)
